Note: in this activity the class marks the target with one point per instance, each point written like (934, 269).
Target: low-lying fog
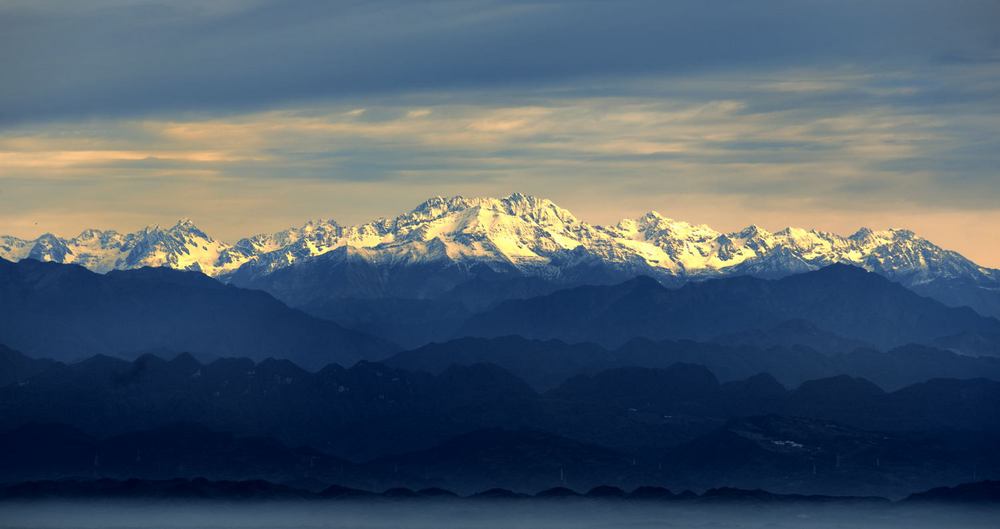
(575, 514)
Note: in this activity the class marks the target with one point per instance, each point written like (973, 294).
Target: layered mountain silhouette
(521, 460)
(15, 367)
(790, 453)
(107, 395)
(467, 428)
(843, 300)
(538, 352)
(357, 412)
(450, 244)
(67, 312)
(52, 451)
(547, 363)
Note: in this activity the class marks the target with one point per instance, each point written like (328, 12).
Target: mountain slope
(363, 411)
(66, 312)
(182, 246)
(516, 460)
(543, 364)
(518, 236)
(840, 299)
(802, 454)
(547, 363)
(16, 367)
(50, 451)
(409, 422)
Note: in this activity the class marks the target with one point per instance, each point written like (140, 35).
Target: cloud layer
(250, 116)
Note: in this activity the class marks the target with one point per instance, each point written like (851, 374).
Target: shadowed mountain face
(792, 333)
(541, 363)
(470, 427)
(449, 246)
(67, 312)
(546, 363)
(15, 367)
(360, 412)
(968, 493)
(809, 383)
(51, 451)
(795, 453)
(412, 303)
(842, 300)
(372, 410)
(518, 460)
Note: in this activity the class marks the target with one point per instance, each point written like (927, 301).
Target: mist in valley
(471, 514)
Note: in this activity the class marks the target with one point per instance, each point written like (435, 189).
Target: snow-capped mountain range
(529, 234)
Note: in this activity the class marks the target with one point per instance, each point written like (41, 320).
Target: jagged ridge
(526, 233)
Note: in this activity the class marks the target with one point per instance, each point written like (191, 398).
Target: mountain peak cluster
(528, 233)
(501, 342)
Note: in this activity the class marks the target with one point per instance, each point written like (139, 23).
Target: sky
(253, 116)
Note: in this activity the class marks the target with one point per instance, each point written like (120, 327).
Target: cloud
(250, 115)
(132, 58)
(721, 138)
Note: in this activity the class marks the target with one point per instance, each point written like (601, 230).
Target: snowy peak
(867, 236)
(48, 247)
(526, 207)
(539, 210)
(519, 229)
(657, 228)
(185, 224)
(520, 232)
(183, 246)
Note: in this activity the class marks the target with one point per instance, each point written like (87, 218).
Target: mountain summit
(529, 236)
(182, 246)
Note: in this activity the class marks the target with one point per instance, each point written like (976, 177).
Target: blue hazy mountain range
(470, 428)
(836, 380)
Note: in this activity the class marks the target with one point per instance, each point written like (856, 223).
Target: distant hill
(792, 333)
(365, 411)
(521, 460)
(983, 493)
(838, 299)
(372, 410)
(66, 312)
(794, 454)
(51, 451)
(546, 363)
(980, 492)
(541, 363)
(16, 367)
(472, 426)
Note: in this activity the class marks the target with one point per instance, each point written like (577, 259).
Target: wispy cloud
(251, 115)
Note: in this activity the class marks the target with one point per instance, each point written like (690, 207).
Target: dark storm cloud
(126, 58)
